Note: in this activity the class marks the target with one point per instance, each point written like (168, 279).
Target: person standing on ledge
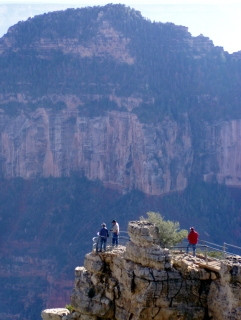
(104, 234)
(192, 239)
(115, 233)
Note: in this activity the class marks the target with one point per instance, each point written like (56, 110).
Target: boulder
(93, 263)
(143, 233)
(152, 256)
(54, 314)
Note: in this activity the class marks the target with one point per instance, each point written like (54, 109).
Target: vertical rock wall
(220, 152)
(117, 149)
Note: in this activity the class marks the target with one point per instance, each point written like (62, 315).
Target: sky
(218, 20)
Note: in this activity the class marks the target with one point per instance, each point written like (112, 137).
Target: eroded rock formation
(144, 281)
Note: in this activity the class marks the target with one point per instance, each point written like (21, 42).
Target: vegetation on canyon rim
(169, 76)
(170, 233)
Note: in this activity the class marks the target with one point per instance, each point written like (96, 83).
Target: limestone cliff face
(220, 152)
(144, 281)
(117, 149)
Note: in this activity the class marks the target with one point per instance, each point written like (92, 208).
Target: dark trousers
(115, 239)
(103, 243)
(193, 248)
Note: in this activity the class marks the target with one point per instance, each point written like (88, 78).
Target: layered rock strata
(116, 149)
(144, 281)
(99, 61)
(220, 152)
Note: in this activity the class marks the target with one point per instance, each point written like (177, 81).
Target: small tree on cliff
(170, 233)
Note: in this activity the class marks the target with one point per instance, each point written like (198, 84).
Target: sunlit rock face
(116, 149)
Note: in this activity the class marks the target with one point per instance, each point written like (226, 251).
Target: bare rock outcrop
(224, 299)
(144, 281)
(54, 314)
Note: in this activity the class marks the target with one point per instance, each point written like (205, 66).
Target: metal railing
(235, 258)
(123, 238)
(182, 247)
(211, 251)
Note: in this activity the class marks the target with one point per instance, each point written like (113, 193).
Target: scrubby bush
(170, 233)
(69, 307)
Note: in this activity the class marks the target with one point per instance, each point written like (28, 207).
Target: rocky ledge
(144, 281)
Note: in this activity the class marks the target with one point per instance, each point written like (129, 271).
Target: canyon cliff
(144, 281)
(116, 149)
(104, 92)
(105, 114)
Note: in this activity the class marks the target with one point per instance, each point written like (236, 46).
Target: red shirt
(193, 237)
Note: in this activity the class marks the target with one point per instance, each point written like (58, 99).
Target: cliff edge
(144, 281)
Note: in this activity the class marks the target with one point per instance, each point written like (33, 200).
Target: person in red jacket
(192, 239)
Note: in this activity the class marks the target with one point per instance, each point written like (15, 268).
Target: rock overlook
(144, 281)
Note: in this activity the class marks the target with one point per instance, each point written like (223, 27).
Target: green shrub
(69, 307)
(170, 233)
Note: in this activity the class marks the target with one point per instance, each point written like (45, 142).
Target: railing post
(97, 245)
(206, 255)
(224, 250)
(111, 240)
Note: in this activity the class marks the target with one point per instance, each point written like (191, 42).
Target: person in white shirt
(115, 233)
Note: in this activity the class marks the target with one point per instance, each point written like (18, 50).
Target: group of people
(104, 234)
